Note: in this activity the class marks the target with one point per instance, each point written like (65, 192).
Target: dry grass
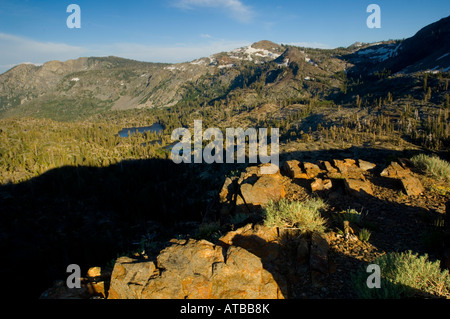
(304, 216)
(432, 165)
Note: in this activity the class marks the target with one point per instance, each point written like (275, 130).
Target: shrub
(350, 215)
(304, 216)
(364, 234)
(432, 165)
(405, 275)
(208, 231)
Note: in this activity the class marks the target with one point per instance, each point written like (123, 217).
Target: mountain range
(264, 72)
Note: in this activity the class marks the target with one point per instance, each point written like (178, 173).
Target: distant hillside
(264, 72)
(79, 88)
(428, 49)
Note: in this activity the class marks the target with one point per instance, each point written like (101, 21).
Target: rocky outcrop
(358, 186)
(128, 277)
(255, 261)
(320, 184)
(293, 170)
(312, 170)
(267, 243)
(249, 191)
(259, 240)
(354, 179)
(322, 174)
(252, 262)
(411, 184)
(354, 175)
(267, 187)
(366, 166)
(191, 269)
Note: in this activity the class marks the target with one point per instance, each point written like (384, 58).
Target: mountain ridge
(287, 73)
(124, 84)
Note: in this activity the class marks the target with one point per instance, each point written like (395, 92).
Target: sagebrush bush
(350, 215)
(432, 165)
(304, 216)
(364, 234)
(405, 275)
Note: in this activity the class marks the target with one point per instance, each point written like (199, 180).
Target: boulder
(293, 170)
(345, 165)
(94, 272)
(320, 184)
(328, 167)
(411, 185)
(358, 186)
(186, 271)
(366, 166)
(266, 188)
(196, 270)
(395, 170)
(243, 276)
(312, 170)
(251, 190)
(348, 169)
(259, 240)
(128, 278)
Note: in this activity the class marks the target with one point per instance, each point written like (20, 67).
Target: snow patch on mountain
(226, 66)
(260, 52)
(198, 62)
(285, 63)
(249, 53)
(380, 52)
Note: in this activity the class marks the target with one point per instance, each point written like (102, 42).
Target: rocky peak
(427, 50)
(259, 52)
(268, 45)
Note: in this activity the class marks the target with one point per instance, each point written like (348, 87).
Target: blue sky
(182, 30)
